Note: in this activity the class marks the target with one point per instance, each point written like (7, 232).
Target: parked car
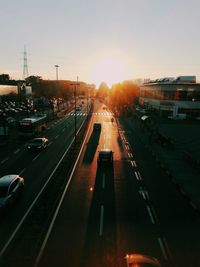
(105, 157)
(140, 260)
(10, 188)
(38, 144)
(78, 108)
(97, 126)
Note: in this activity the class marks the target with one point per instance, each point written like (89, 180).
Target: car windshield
(3, 191)
(105, 155)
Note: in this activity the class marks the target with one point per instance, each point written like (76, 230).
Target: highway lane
(17, 161)
(68, 238)
(106, 212)
(36, 169)
(132, 207)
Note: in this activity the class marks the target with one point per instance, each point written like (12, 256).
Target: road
(36, 169)
(105, 212)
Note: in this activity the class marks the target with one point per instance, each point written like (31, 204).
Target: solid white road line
(101, 221)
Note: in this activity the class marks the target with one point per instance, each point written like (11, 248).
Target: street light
(75, 124)
(87, 98)
(56, 66)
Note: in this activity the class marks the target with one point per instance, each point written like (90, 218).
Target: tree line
(120, 96)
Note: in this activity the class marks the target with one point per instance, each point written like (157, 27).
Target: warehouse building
(172, 96)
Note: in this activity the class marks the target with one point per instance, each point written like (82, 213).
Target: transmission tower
(25, 69)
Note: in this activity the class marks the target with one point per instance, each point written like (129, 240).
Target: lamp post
(87, 100)
(75, 124)
(56, 66)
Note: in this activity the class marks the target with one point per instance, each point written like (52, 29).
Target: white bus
(33, 125)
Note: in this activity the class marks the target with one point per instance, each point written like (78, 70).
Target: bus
(33, 125)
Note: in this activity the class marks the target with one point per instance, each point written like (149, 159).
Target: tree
(123, 95)
(103, 91)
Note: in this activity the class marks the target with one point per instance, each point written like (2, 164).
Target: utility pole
(75, 122)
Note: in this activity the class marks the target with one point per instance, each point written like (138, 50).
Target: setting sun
(109, 70)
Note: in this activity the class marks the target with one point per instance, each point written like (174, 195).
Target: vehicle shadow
(91, 147)
(100, 247)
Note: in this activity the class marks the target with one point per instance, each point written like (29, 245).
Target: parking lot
(180, 157)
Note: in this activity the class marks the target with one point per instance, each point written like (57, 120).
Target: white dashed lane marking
(4, 160)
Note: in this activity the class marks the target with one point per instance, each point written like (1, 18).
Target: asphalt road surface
(106, 212)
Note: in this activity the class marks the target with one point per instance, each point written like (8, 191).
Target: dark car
(140, 260)
(105, 157)
(97, 126)
(10, 188)
(38, 144)
(78, 108)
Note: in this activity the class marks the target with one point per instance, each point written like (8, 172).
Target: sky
(100, 40)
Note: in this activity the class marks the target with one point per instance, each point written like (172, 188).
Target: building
(171, 96)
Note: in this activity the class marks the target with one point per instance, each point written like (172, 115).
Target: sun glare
(109, 70)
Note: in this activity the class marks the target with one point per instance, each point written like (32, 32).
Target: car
(78, 108)
(97, 126)
(141, 260)
(10, 188)
(105, 157)
(38, 144)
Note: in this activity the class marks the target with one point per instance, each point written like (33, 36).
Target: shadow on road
(91, 147)
(100, 241)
